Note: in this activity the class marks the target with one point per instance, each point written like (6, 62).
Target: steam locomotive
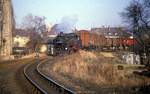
(64, 44)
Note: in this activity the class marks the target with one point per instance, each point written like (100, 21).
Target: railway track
(42, 83)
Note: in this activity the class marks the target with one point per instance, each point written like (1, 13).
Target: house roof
(111, 31)
(21, 32)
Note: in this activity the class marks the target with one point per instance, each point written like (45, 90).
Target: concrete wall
(7, 27)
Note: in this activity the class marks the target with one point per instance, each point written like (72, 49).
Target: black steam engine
(64, 44)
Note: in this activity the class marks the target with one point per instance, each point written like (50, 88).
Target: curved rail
(42, 91)
(61, 87)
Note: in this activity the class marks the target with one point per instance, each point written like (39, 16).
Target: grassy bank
(95, 70)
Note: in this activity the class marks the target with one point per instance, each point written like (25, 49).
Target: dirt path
(12, 80)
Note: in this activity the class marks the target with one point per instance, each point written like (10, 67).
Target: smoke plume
(66, 25)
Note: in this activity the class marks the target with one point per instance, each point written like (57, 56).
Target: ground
(12, 79)
(84, 72)
(9, 76)
(96, 72)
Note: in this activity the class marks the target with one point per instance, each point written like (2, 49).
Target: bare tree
(137, 16)
(35, 25)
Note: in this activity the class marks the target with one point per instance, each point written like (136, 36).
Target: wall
(6, 28)
(20, 41)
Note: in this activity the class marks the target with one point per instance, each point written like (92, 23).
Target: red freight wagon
(85, 38)
(128, 42)
(92, 39)
(89, 38)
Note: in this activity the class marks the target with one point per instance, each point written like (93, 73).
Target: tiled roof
(111, 31)
(21, 32)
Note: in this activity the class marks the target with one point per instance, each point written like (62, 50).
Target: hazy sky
(88, 13)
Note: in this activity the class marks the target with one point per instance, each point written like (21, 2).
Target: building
(20, 38)
(6, 28)
(111, 32)
(20, 41)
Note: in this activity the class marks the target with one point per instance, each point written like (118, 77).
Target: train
(65, 43)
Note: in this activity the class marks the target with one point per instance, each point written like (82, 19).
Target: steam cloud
(66, 25)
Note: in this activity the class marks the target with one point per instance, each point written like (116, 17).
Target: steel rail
(42, 91)
(66, 90)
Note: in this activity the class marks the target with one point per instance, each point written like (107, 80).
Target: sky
(84, 13)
